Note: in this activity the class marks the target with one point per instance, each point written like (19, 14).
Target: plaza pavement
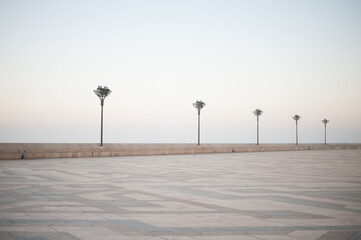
(248, 196)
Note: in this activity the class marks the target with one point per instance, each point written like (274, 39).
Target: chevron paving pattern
(304, 195)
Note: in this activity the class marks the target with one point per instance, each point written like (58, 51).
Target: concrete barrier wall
(70, 150)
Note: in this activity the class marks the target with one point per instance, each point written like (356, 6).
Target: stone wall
(73, 150)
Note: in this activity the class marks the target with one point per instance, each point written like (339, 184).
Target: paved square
(251, 196)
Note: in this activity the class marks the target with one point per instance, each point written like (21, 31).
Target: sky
(284, 57)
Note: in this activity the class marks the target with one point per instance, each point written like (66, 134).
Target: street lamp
(258, 113)
(102, 93)
(325, 121)
(296, 118)
(199, 105)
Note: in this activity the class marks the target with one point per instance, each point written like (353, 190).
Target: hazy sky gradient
(158, 57)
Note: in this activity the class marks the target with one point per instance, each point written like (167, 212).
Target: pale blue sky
(158, 57)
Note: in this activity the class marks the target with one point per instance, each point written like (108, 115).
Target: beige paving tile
(275, 237)
(306, 235)
(90, 232)
(13, 229)
(177, 221)
(236, 220)
(169, 206)
(99, 195)
(138, 196)
(226, 237)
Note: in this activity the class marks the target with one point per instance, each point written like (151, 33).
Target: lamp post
(258, 113)
(102, 93)
(199, 105)
(296, 118)
(325, 121)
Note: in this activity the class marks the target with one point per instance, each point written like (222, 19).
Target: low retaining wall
(69, 150)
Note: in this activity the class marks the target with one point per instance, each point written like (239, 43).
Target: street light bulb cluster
(325, 121)
(257, 112)
(102, 92)
(296, 117)
(199, 104)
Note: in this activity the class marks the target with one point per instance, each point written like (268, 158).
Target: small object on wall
(22, 154)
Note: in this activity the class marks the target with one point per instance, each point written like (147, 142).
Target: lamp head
(102, 92)
(296, 117)
(199, 105)
(257, 112)
(325, 121)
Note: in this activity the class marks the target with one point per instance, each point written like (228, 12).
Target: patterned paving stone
(303, 195)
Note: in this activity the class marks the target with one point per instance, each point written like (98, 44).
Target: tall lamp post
(199, 105)
(258, 113)
(296, 118)
(102, 93)
(325, 121)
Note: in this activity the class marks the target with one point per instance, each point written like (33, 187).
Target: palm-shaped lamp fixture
(325, 121)
(296, 118)
(102, 93)
(258, 113)
(199, 105)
